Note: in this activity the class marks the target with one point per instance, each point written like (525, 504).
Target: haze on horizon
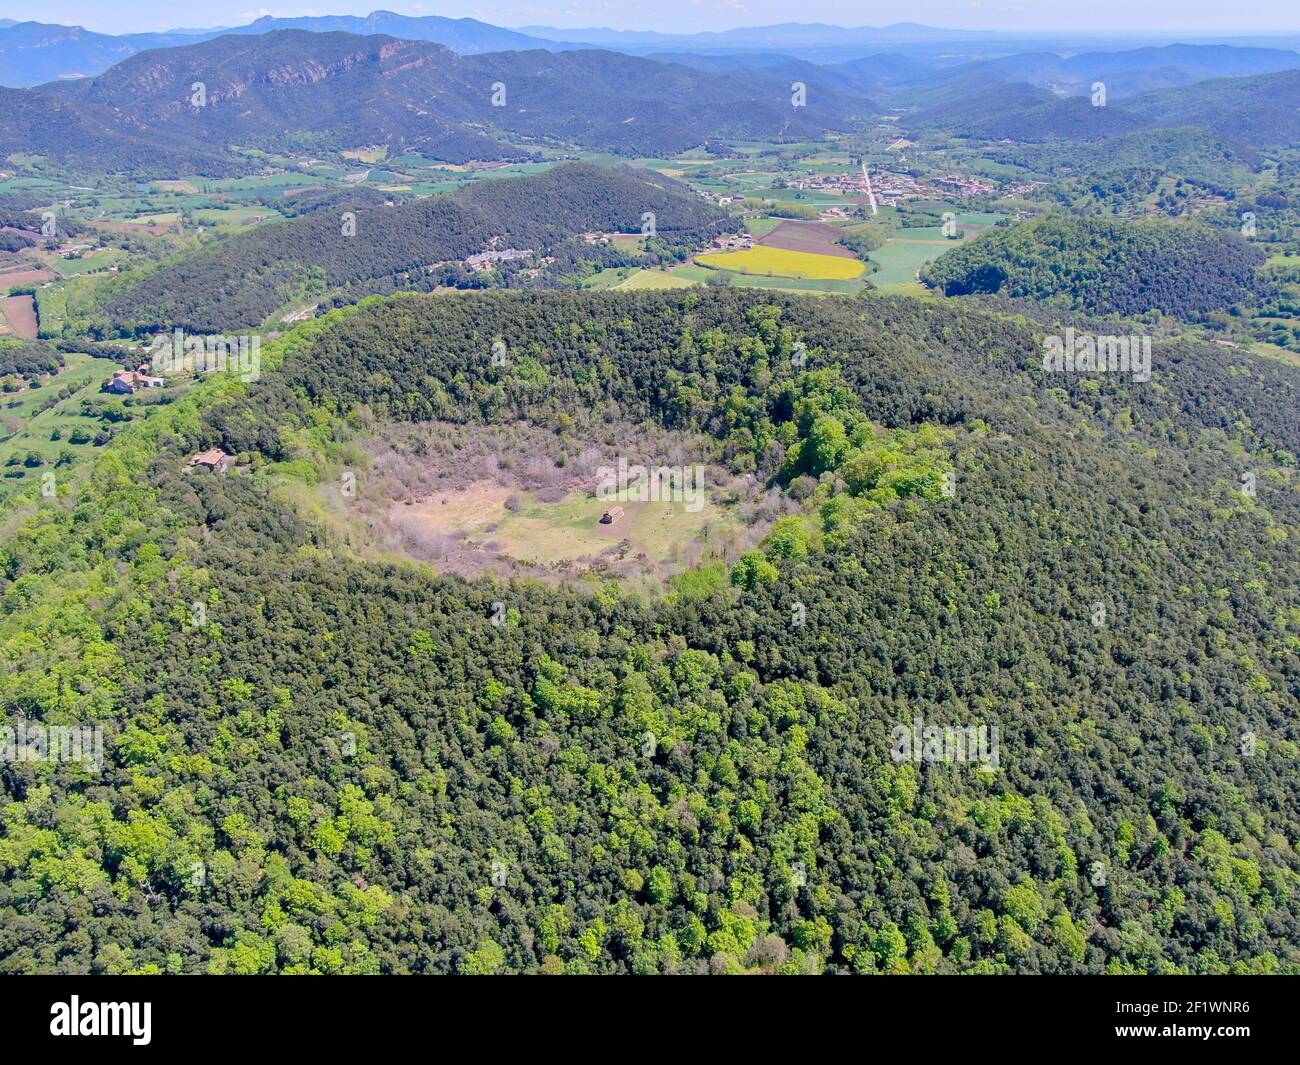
(1190, 17)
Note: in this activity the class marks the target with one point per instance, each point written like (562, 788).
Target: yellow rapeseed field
(779, 262)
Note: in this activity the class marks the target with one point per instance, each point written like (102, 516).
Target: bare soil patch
(24, 277)
(20, 315)
(815, 238)
(521, 499)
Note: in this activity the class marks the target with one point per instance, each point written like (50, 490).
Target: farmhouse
(734, 242)
(611, 516)
(128, 382)
(213, 459)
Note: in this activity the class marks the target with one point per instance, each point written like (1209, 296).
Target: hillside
(35, 52)
(465, 36)
(32, 52)
(342, 764)
(1107, 267)
(1253, 111)
(331, 91)
(238, 282)
(1259, 111)
(33, 123)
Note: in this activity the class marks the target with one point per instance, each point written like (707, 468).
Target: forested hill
(1107, 267)
(1249, 112)
(238, 282)
(340, 765)
(35, 123)
(334, 91)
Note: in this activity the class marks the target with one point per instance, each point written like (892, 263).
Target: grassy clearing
(68, 306)
(570, 529)
(1273, 351)
(654, 279)
(704, 275)
(607, 279)
(25, 428)
(900, 259)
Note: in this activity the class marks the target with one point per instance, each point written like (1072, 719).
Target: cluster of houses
(128, 382)
(849, 184)
(890, 189)
(966, 186)
(734, 242)
(486, 260)
(1025, 188)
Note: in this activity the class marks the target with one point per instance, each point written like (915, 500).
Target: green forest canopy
(318, 763)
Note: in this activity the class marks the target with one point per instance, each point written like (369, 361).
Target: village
(892, 188)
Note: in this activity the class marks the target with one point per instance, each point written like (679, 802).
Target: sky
(686, 16)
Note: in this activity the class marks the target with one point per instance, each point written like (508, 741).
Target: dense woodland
(322, 763)
(1108, 267)
(335, 91)
(325, 753)
(28, 357)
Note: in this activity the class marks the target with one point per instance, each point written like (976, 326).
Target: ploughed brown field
(23, 277)
(154, 229)
(19, 314)
(815, 238)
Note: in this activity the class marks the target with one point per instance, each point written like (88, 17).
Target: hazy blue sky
(118, 16)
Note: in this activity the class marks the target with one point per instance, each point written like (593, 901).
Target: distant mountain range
(783, 35)
(1123, 73)
(1252, 111)
(464, 35)
(324, 90)
(331, 91)
(32, 53)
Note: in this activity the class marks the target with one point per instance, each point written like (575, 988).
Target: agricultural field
(29, 421)
(897, 263)
(611, 278)
(781, 262)
(761, 227)
(643, 279)
(815, 238)
(68, 307)
(22, 274)
(899, 258)
(703, 275)
(235, 217)
(18, 317)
